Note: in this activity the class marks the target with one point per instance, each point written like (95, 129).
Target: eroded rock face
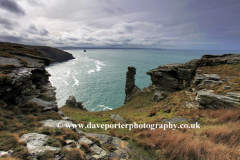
(213, 101)
(175, 77)
(130, 87)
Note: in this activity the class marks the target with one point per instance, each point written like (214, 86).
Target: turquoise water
(97, 77)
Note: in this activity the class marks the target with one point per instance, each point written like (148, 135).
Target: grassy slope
(218, 137)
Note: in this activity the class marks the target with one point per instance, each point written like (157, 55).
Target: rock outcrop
(175, 77)
(117, 118)
(96, 150)
(71, 102)
(53, 53)
(130, 88)
(42, 51)
(27, 83)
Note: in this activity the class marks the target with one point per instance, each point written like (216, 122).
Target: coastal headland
(202, 93)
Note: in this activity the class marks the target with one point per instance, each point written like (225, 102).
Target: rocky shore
(24, 83)
(26, 93)
(175, 77)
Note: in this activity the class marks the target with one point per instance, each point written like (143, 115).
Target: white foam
(98, 68)
(105, 107)
(76, 81)
(68, 72)
(91, 71)
(99, 63)
(66, 82)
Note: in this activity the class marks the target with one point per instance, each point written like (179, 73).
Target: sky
(166, 24)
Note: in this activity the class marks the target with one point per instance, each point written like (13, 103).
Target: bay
(97, 77)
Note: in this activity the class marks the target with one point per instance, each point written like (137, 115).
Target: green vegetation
(13, 125)
(217, 138)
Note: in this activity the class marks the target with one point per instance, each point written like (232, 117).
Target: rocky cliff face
(53, 53)
(27, 83)
(24, 87)
(175, 77)
(42, 51)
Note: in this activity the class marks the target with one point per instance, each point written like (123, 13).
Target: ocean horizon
(97, 77)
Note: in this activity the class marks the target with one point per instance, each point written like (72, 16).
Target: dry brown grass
(85, 147)
(4, 67)
(23, 61)
(153, 112)
(97, 142)
(6, 54)
(9, 158)
(220, 115)
(5, 79)
(17, 48)
(227, 134)
(73, 154)
(179, 145)
(8, 141)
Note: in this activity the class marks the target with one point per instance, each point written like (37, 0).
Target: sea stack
(130, 87)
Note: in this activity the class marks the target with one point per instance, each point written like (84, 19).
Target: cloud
(12, 6)
(7, 23)
(137, 23)
(33, 30)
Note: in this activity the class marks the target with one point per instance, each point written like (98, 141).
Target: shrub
(152, 112)
(85, 147)
(73, 154)
(8, 141)
(70, 134)
(47, 131)
(5, 79)
(30, 107)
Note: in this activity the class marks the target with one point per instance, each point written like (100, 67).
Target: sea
(97, 77)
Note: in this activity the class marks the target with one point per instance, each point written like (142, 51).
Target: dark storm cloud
(217, 18)
(7, 23)
(12, 6)
(9, 38)
(33, 30)
(44, 32)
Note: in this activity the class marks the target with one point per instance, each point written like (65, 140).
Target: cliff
(30, 119)
(42, 51)
(53, 53)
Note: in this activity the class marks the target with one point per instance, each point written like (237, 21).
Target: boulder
(117, 118)
(56, 123)
(99, 152)
(6, 153)
(213, 101)
(122, 146)
(175, 120)
(71, 102)
(235, 95)
(83, 139)
(158, 96)
(36, 143)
